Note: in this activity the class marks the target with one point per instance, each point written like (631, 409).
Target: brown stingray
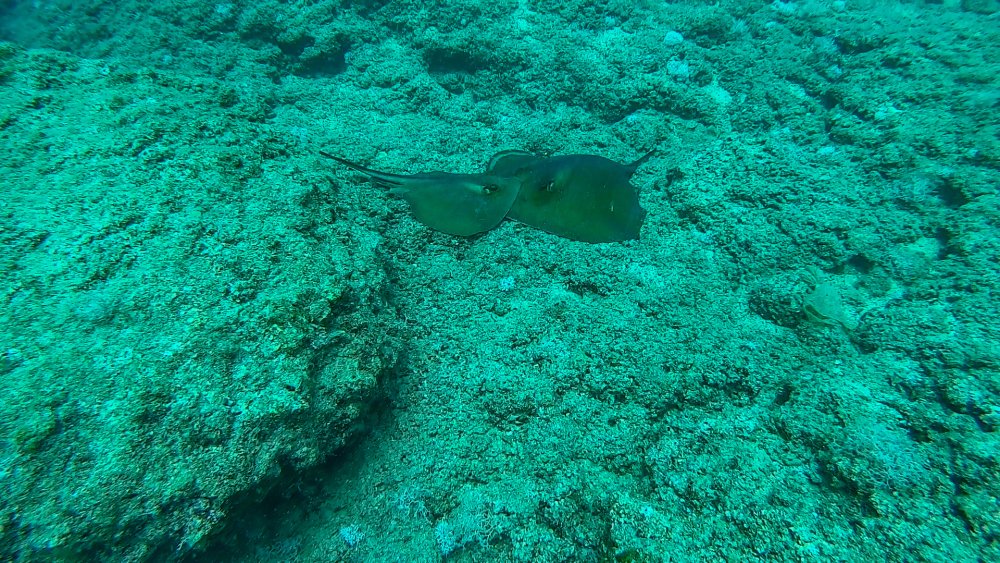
(580, 197)
(577, 196)
(457, 204)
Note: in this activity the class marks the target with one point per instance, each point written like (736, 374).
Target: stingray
(578, 196)
(581, 197)
(457, 204)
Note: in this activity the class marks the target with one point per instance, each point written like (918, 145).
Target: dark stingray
(577, 196)
(580, 197)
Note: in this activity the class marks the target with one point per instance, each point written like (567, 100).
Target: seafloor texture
(216, 345)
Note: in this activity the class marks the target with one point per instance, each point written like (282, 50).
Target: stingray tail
(634, 165)
(381, 179)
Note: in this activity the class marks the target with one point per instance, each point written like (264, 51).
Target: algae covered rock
(179, 328)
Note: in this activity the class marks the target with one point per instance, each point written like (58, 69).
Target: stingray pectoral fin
(459, 204)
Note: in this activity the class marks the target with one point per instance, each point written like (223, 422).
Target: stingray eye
(490, 188)
(550, 187)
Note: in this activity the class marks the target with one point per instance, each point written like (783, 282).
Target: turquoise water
(217, 345)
